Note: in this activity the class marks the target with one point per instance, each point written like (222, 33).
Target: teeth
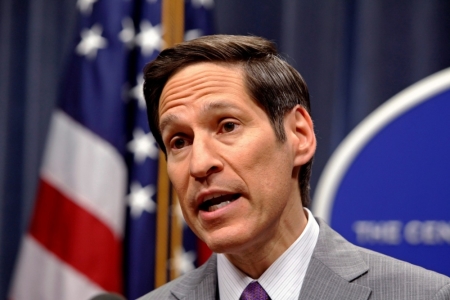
(217, 206)
(216, 201)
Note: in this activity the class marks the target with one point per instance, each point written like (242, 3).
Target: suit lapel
(334, 265)
(200, 284)
(321, 283)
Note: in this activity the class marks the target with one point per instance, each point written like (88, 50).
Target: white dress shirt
(283, 279)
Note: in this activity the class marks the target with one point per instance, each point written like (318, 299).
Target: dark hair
(269, 80)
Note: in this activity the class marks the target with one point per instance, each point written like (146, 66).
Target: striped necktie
(254, 291)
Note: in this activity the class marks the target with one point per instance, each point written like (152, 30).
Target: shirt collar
(283, 279)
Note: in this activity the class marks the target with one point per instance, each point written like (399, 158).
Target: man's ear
(301, 130)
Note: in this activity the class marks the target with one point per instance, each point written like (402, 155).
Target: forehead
(199, 81)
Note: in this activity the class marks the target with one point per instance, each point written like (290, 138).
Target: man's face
(235, 181)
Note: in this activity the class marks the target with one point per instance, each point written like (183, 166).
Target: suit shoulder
(387, 277)
(163, 292)
(184, 284)
(402, 277)
(387, 264)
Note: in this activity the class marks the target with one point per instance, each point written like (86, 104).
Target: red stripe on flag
(77, 237)
(203, 252)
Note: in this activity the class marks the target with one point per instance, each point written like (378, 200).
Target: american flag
(93, 228)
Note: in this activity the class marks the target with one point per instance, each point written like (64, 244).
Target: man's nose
(204, 159)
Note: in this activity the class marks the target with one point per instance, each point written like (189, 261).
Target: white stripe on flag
(86, 169)
(40, 275)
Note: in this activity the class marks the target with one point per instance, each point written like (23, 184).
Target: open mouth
(218, 202)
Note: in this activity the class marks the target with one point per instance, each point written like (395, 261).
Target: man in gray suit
(233, 119)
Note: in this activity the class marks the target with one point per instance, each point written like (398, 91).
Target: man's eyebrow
(166, 120)
(207, 107)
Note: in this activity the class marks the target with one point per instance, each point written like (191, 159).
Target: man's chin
(225, 244)
(232, 236)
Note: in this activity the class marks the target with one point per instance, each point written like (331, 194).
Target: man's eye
(229, 126)
(179, 143)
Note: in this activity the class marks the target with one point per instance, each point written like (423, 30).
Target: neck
(255, 260)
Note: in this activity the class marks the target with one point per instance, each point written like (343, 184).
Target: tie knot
(254, 291)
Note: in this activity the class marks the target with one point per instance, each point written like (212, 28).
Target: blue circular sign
(387, 186)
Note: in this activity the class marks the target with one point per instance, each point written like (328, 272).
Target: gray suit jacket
(338, 270)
